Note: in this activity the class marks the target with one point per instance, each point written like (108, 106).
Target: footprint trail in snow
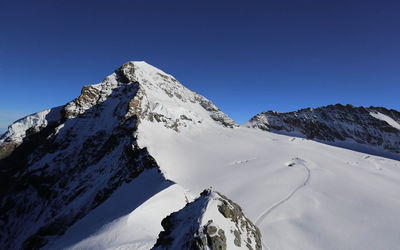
(297, 162)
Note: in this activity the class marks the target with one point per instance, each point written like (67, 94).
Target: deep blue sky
(246, 56)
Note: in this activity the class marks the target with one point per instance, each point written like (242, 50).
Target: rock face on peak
(59, 164)
(212, 221)
(373, 126)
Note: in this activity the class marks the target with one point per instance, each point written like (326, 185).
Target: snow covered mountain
(121, 167)
(364, 128)
(59, 164)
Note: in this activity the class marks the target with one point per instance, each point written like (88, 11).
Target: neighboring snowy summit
(122, 167)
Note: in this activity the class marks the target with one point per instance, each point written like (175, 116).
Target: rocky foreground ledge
(212, 221)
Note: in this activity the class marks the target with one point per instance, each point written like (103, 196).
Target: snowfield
(301, 194)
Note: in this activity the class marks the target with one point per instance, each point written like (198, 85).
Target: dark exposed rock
(7, 149)
(126, 73)
(216, 113)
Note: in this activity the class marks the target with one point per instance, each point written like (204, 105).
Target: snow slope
(137, 228)
(386, 118)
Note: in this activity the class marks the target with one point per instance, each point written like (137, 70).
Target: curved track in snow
(262, 216)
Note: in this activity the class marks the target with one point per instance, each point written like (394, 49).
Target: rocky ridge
(373, 126)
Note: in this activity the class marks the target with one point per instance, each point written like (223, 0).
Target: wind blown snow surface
(301, 194)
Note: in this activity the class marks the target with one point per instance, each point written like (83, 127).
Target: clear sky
(246, 56)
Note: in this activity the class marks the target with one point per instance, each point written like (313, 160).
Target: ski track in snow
(262, 216)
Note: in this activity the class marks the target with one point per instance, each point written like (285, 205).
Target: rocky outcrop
(374, 126)
(212, 221)
(215, 113)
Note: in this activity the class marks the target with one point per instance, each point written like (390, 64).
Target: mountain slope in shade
(61, 163)
(374, 127)
(129, 219)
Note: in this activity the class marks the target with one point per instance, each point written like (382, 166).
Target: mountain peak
(143, 92)
(73, 141)
(162, 98)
